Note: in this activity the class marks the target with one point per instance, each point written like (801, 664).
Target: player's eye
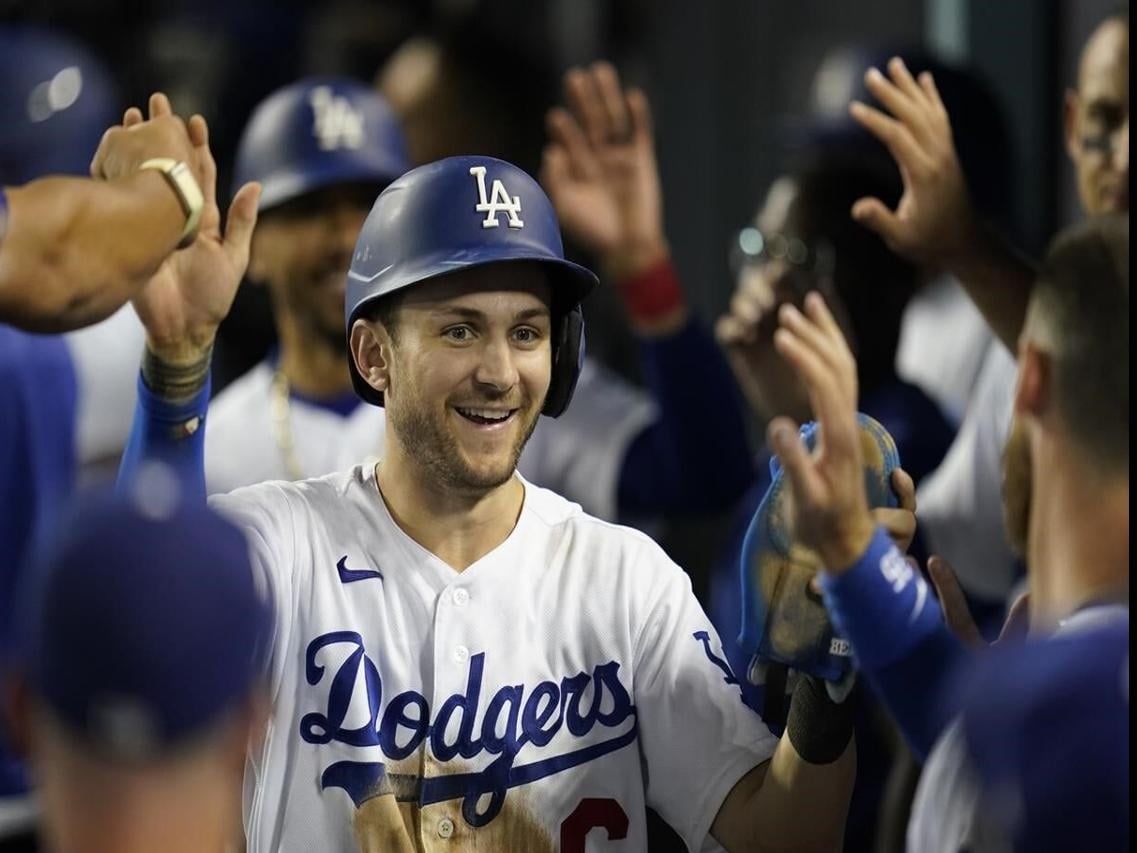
(526, 335)
(458, 334)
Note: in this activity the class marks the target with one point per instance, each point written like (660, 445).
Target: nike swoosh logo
(352, 575)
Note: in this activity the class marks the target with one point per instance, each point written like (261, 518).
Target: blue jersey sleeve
(170, 434)
(695, 457)
(902, 645)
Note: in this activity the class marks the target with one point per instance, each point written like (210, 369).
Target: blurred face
(470, 365)
(302, 250)
(772, 386)
(1097, 121)
(1017, 487)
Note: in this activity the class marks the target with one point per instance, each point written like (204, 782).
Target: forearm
(169, 424)
(696, 456)
(76, 249)
(795, 805)
(999, 281)
(886, 610)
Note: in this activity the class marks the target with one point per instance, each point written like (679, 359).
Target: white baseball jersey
(578, 454)
(943, 342)
(537, 701)
(961, 502)
(105, 356)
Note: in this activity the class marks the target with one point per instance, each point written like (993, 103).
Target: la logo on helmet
(337, 124)
(500, 201)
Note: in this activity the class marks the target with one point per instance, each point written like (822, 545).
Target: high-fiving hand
(600, 171)
(934, 223)
(185, 301)
(830, 510)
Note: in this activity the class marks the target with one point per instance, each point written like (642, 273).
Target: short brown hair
(1080, 306)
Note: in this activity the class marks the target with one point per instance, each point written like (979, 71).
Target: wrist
(958, 256)
(846, 547)
(653, 297)
(181, 182)
(635, 258)
(176, 375)
(819, 728)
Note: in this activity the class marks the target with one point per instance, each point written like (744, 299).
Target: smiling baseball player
(461, 659)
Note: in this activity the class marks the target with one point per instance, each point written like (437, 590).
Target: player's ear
(371, 351)
(1070, 108)
(1032, 387)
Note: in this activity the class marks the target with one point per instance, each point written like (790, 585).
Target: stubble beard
(436, 451)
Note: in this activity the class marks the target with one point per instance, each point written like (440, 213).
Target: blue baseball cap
(56, 100)
(319, 132)
(1047, 729)
(142, 622)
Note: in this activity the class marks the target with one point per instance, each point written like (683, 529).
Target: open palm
(600, 169)
(185, 301)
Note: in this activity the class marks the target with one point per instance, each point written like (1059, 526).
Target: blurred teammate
(936, 224)
(1067, 508)
(419, 575)
(807, 242)
(139, 681)
(71, 251)
(803, 239)
(1042, 792)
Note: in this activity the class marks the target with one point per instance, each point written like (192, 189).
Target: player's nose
(1121, 151)
(497, 364)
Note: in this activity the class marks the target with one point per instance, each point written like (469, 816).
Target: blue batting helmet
(459, 213)
(316, 133)
(56, 99)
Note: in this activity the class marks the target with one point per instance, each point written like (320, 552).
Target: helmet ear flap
(568, 358)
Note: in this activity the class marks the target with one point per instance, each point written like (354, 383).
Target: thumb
(240, 222)
(1018, 620)
(874, 213)
(783, 438)
(956, 612)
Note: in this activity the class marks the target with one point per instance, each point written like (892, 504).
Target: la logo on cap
(336, 123)
(500, 201)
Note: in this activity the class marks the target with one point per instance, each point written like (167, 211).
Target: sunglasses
(753, 247)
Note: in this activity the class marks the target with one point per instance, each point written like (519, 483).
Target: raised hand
(185, 301)
(934, 223)
(830, 511)
(125, 147)
(600, 171)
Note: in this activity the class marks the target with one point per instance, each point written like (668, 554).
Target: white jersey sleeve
(961, 503)
(106, 370)
(264, 514)
(697, 735)
(943, 342)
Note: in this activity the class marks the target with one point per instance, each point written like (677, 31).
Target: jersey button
(445, 828)
(461, 597)
(461, 654)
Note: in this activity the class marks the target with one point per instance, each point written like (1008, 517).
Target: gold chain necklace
(281, 410)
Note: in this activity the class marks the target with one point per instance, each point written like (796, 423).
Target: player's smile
(487, 420)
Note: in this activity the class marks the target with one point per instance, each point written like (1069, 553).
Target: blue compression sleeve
(696, 456)
(173, 435)
(887, 611)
